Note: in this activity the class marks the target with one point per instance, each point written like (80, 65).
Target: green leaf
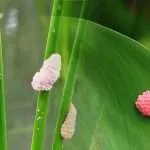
(43, 101)
(3, 129)
(70, 80)
(114, 69)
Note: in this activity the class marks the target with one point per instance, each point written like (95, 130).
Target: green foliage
(3, 130)
(113, 71)
(43, 100)
(70, 79)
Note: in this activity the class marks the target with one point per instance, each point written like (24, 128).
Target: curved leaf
(113, 71)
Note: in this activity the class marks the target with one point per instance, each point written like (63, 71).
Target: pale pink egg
(48, 74)
(69, 125)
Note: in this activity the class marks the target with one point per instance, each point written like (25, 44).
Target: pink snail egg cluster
(143, 103)
(68, 127)
(48, 74)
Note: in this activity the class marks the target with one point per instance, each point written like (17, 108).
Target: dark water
(23, 46)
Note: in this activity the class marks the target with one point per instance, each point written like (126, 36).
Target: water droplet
(38, 129)
(38, 118)
(38, 110)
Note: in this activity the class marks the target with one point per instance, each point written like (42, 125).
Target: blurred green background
(24, 25)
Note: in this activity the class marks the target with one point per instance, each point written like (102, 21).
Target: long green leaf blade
(70, 81)
(43, 100)
(114, 70)
(3, 128)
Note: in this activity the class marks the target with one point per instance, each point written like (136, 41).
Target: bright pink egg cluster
(143, 103)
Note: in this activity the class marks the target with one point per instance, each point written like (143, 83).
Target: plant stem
(53, 29)
(69, 83)
(64, 46)
(3, 128)
(43, 101)
(40, 121)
